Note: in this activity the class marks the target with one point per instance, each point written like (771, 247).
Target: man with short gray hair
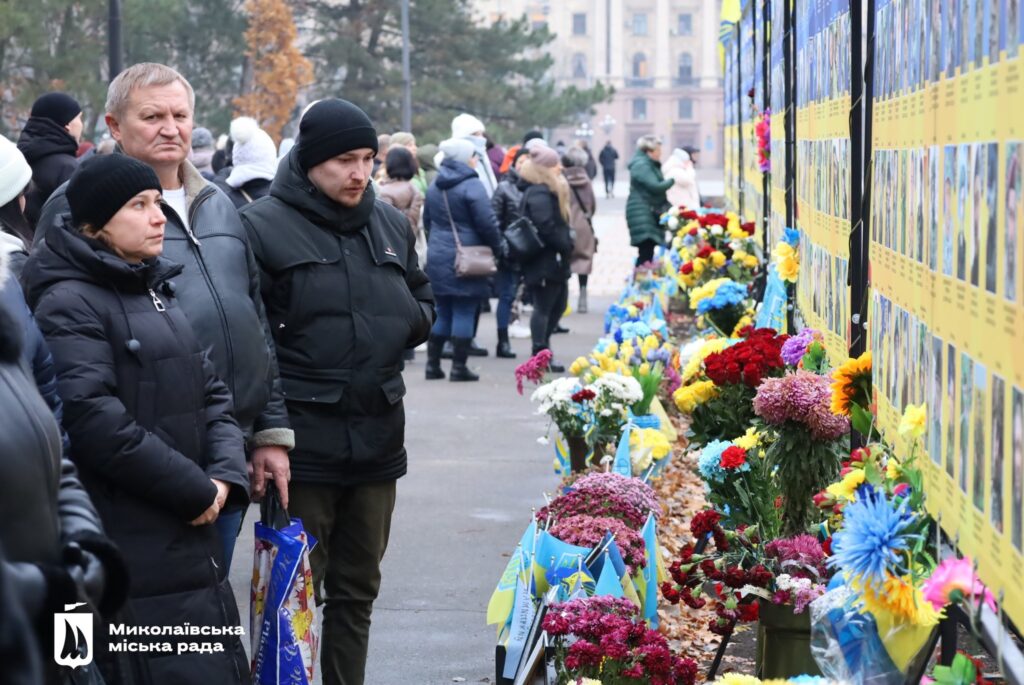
(149, 113)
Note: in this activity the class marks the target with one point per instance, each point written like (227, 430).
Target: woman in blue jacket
(456, 201)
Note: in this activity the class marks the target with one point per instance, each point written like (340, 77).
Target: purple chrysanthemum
(794, 349)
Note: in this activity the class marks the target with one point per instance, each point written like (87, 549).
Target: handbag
(524, 241)
(471, 261)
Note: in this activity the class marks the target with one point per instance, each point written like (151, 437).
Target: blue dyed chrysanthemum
(874, 534)
(709, 463)
(727, 294)
(791, 236)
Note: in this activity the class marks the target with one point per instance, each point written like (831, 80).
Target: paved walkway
(475, 473)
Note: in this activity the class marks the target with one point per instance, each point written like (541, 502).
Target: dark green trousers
(351, 526)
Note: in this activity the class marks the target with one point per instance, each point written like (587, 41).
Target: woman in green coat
(646, 198)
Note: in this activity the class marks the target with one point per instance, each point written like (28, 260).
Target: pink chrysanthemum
(803, 398)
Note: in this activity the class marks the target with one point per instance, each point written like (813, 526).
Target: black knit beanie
(333, 127)
(59, 107)
(103, 184)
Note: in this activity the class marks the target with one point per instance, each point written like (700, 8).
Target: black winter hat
(103, 184)
(333, 127)
(59, 107)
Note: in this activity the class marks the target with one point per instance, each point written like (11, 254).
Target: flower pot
(784, 642)
(578, 451)
(647, 421)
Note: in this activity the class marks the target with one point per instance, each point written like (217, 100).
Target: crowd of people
(186, 324)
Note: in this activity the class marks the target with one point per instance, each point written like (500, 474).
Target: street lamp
(584, 130)
(608, 124)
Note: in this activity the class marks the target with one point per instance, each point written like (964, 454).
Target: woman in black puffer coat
(150, 423)
(546, 203)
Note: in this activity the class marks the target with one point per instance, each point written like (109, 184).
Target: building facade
(661, 57)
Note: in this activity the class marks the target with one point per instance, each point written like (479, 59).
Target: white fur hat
(466, 125)
(253, 155)
(15, 173)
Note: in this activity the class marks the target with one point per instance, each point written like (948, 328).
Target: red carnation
(584, 395)
(749, 612)
(694, 232)
(734, 457)
(689, 215)
(748, 227)
(705, 251)
(686, 269)
(704, 522)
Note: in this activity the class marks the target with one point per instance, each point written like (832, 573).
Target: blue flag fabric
(773, 308)
(555, 560)
(607, 582)
(522, 619)
(623, 465)
(650, 572)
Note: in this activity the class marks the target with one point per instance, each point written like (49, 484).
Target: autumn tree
(279, 70)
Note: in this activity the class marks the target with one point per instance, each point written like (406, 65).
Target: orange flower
(851, 384)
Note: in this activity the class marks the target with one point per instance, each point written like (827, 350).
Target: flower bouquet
(726, 574)
(721, 408)
(787, 255)
(614, 394)
(722, 305)
(603, 638)
(806, 451)
(569, 406)
(739, 484)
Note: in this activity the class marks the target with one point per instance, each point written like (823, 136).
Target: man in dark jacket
(149, 113)
(49, 142)
(345, 297)
(608, 157)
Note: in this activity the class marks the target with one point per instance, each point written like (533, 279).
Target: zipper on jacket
(204, 195)
(157, 302)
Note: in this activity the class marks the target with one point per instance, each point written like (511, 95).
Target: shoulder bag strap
(583, 207)
(451, 220)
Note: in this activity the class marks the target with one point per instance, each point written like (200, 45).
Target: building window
(579, 24)
(685, 108)
(685, 73)
(639, 24)
(639, 65)
(579, 65)
(685, 24)
(639, 109)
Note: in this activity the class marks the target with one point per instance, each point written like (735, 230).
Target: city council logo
(72, 637)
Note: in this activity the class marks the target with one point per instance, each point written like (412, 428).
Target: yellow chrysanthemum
(750, 261)
(850, 383)
(914, 421)
(580, 366)
(847, 487)
(900, 598)
(748, 440)
(717, 259)
(735, 232)
(689, 397)
(705, 291)
(694, 364)
(737, 679)
(700, 265)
